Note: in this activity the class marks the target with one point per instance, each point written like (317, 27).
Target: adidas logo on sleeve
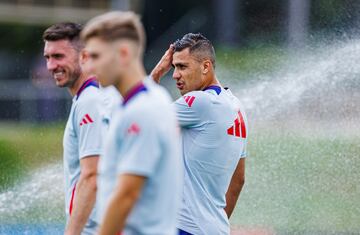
(189, 99)
(238, 129)
(86, 120)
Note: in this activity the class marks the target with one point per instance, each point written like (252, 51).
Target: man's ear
(206, 66)
(122, 54)
(84, 56)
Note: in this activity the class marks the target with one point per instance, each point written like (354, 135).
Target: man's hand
(164, 65)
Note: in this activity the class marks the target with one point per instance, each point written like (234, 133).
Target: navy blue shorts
(182, 232)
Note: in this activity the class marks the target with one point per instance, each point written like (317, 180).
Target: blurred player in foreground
(214, 137)
(140, 172)
(85, 127)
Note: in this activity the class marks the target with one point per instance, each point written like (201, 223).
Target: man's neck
(133, 76)
(77, 84)
(211, 82)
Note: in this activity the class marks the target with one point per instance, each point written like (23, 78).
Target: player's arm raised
(236, 184)
(123, 199)
(85, 195)
(163, 66)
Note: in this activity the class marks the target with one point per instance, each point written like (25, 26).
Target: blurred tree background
(229, 23)
(254, 27)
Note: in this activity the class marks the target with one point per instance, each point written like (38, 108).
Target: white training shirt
(214, 139)
(144, 140)
(88, 122)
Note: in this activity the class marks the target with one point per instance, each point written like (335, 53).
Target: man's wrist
(68, 231)
(156, 75)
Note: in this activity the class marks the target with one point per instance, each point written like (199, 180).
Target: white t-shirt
(85, 129)
(214, 139)
(144, 140)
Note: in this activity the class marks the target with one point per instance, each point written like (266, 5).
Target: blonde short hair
(116, 25)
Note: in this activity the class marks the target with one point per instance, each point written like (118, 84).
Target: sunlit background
(294, 64)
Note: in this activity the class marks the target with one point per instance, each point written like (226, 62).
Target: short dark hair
(197, 44)
(65, 30)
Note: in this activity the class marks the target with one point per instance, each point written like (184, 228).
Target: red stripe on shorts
(72, 199)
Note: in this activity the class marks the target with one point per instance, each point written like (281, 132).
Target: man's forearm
(235, 187)
(231, 199)
(116, 214)
(84, 201)
(123, 199)
(163, 66)
(156, 75)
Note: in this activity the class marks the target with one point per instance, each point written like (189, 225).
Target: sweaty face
(187, 72)
(103, 61)
(62, 61)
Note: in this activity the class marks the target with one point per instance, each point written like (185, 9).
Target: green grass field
(294, 181)
(25, 147)
(301, 181)
(35, 141)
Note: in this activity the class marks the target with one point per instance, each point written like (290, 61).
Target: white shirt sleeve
(188, 110)
(243, 154)
(88, 120)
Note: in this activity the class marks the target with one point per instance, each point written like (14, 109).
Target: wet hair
(64, 31)
(198, 45)
(116, 25)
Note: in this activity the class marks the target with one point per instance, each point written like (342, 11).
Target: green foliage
(330, 14)
(21, 38)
